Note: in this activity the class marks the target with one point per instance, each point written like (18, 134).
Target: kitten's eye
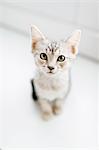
(61, 58)
(43, 56)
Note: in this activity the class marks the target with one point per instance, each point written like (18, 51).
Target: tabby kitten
(53, 59)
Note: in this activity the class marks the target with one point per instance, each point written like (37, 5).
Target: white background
(65, 16)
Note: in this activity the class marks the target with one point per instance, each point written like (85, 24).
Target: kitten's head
(52, 57)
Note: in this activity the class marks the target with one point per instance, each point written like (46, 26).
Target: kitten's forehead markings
(52, 47)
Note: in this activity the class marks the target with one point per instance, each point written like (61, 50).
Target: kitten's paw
(57, 107)
(47, 115)
(57, 110)
(46, 109)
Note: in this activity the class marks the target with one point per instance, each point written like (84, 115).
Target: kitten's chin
(50, 74)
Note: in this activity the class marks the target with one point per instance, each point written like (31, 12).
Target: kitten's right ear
(36, 37)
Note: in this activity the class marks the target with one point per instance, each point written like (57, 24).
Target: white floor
(20, 122)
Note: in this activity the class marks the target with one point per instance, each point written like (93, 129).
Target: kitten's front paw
(46, 109)
(57, 110)
(57, 107)
(47, 115)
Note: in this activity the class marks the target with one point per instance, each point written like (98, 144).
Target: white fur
(55, 87)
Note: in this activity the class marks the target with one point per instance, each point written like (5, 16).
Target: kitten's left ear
(73, 42)
(36, 37)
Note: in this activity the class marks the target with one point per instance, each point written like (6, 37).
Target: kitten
(53, 59)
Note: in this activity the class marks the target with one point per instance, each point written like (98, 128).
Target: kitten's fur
(52, 79)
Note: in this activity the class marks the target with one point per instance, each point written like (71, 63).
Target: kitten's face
(53, 57)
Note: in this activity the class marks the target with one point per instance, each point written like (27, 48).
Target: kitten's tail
(34, 94)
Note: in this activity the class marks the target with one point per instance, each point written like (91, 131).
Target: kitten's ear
(73, 42)
(36, 37)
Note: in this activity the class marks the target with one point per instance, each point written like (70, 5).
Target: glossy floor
(21, 125)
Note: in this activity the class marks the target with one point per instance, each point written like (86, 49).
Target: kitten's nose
(50, 67)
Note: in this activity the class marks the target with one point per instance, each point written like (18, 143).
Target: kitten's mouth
(50, 72)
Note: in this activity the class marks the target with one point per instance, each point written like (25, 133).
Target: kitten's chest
(47, 84)
(51, 88)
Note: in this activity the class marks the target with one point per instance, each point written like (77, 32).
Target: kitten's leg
(57, 106)
(45, 108)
